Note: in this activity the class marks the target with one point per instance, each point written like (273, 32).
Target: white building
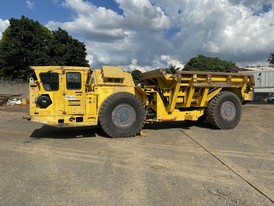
(264, 78)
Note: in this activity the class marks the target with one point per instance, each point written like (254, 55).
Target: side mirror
(32, 82)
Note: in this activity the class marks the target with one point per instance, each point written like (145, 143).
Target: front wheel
(122, 115)
(224, 110)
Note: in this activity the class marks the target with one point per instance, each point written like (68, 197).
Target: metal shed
(264, 80)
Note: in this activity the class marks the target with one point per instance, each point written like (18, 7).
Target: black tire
(122, 115)
(224, 110)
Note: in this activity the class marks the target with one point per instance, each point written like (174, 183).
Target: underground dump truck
(79, 96)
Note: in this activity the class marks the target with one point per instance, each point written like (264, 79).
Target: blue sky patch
(108, 5)
(264, 9)
(42, 11)
(169, 33)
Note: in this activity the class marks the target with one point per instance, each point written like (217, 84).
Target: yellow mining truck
(79, 96)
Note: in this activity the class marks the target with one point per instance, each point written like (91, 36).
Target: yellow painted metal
(112, 72)
(167, 97)
(189, 98)
(184, 96)
(203, 98)
(173, 97)
(213, 93)
(76, 107)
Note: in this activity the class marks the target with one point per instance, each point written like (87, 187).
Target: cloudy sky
(156, 33)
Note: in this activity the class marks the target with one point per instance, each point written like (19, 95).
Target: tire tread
(107, 103)
(213, 113)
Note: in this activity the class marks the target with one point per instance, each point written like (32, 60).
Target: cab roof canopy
(59, 67)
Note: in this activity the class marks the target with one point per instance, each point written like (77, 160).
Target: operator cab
(57, 94)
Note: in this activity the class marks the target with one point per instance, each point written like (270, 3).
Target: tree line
(27, 43)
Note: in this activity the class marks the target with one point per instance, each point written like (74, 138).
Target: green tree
(135, 75)
(26, 42)
(172, 69)
(64, 50)
(204, 63)
(271, 59)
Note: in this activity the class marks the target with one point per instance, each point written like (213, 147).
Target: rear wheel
(122, 115)
(224, 110)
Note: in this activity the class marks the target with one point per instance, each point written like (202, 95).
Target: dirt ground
(174, 164)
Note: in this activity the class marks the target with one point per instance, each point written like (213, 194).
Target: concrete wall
(7, 87)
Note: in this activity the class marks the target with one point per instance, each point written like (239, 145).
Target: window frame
(67, 82)
(42, 78)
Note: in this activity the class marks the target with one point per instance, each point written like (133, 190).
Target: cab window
(74, 80)
(50, 81)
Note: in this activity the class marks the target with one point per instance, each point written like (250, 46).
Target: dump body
(185, 95)
(78, 96)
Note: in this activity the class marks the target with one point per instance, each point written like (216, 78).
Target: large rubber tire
(224, 110)
(122, 115)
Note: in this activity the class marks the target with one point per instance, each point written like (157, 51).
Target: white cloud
(3, 25)
(253, 4)
(134, 66)
(153, 32)
(221, 28)
(30, 4)
(171, 61)
(92, 23)
(141, 14)
(163, 62)
(116, 39)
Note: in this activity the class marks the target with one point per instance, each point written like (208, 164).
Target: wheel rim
(228, 111)
(123, 116)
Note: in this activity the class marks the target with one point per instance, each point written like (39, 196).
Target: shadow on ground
(84, 132)
(178, 124)
(67, 132)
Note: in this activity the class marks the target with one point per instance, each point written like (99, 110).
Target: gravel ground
(174, 164)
